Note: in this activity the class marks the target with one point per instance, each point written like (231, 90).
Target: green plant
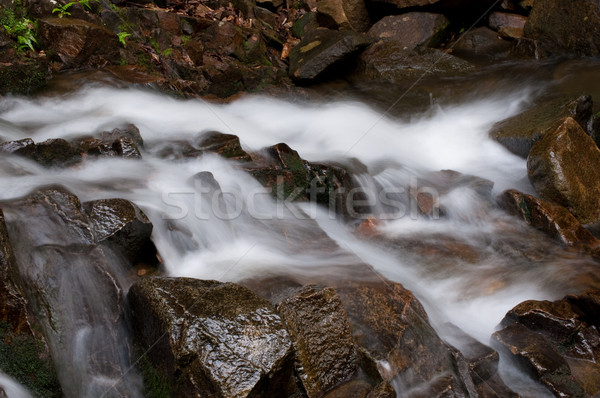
(21, 29)
(167, 52)
(63, 10)
(122, 36)
(185, 39)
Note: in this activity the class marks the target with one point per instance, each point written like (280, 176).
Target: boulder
(50, 153)
(211, 338)
(226, 145)
(123, 226)
(481, 43)
(508, 25)
(518, 133)
(556, 342)
(124, 143)
(325, 352)
(564, 28)
(564, 167)
(78, 43)
(548, 217)
(392, 326)
(347, 14)
(390, 61)
(412, 29)
(323, 51)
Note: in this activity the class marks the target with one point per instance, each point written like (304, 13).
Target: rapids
(243, 239)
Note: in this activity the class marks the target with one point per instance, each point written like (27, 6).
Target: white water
(260, 237)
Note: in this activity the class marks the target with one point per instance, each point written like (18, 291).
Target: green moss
(23, 357)
(156, 384)
(22, 78)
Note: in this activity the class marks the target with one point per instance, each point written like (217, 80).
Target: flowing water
(240, 236)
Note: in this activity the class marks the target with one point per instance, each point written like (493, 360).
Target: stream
(242, 239)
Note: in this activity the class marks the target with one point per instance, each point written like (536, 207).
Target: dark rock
(518, 133)
(211, 338)
(481, 43)
(226, 145)
(50, 153)
(20, 77)
(391, 325)
(129, 131)
(14, 146)
(564, 28)
(322, 51)
(347, 14)
(382, 390)
(78, 43)
(557, 342)
(307, 23)
(124, 227)
(539, 358)
(548, 217)
(412, 29)
(389, 61)
(321, 335)
(410, 3)
(125, 147)
(564, 167)
(508, 25)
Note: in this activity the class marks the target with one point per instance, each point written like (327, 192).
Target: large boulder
(518, 133)
(565, 27)
(548, 217)
(325, 351)
(211, 338)
(323, 51)
(412, 29)
(347, 14)
(564, 167)
(556, 342)
(390, 61)
(78, 43)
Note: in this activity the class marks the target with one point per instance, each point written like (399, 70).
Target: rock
(317, 323)
(307, 23)
(518, 133)
(538, 357)
(382, 390)
(50, 153)
(226, 145)
(211, 338)
(78, 43)
(123, 227)
(548, 217)
(564, 167)
(412, 29)
(410, 3)
(389, 61)
(347, 14)
(323, 51)
(392, 326)
(22, 77)
(557, 342)
(481, 43)
(564, 28)
(508, 25)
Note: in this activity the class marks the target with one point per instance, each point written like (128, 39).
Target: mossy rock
(23, 78)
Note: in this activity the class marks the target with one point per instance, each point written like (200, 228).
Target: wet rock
(22, 77)
(323, 51)
(412, 29)
(307, 23)
(382, 390)
(124, 227)
(508, 25)
(347, 14)
(564, 167)
(211, 338)
(321, 335)
(518, 133)
(564, 28)
(389, 61)
(50, 153)
(392, 326)
(78, 43)
(481, 43)
(548, 217)
(226, 145)
(557, 342)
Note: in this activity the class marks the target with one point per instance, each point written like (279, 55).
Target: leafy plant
(122, 36)
(62, 11)
(21, 29)
(167, 52)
